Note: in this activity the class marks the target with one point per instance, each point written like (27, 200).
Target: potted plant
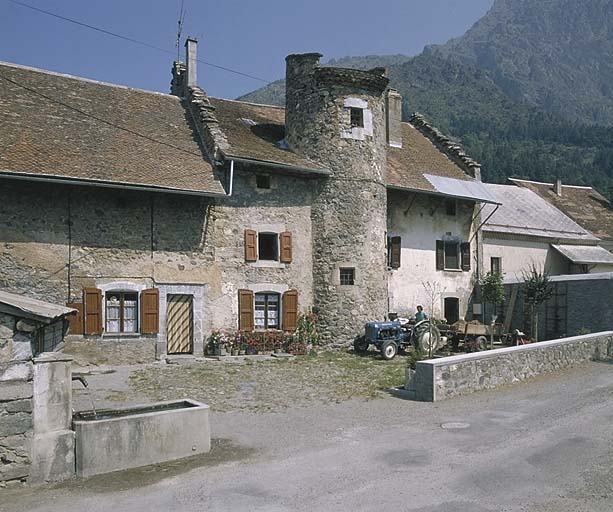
(217, 343)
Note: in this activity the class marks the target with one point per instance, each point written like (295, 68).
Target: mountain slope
(492, 106)
(554, 54)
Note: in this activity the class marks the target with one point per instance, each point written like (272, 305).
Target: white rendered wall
(518, 256)
(420, 220)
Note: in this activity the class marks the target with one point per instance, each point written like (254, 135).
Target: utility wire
(87, 114)
(132, 40)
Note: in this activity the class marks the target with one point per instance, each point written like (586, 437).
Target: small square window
(357, 117)
(347, 276)
(496, 265)
(262, 181)
(268, 246)
(450, 207)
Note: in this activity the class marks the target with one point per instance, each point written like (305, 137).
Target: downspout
(479, 248)
(231, 185)
(481, 225)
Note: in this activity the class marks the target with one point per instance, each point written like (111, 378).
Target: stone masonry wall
(16, 391)
(447, 377)
(143, 239)
(349, 207)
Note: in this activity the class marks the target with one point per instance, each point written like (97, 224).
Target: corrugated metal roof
(464, 189)
(40, 310)
(597, 276)
(523, 212)
(584, 254)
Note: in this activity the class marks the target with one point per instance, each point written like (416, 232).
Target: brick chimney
(191, 59)
(393, 118)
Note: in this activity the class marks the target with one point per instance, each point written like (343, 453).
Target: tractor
(391, 336)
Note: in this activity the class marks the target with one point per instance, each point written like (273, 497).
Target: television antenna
(180, 22)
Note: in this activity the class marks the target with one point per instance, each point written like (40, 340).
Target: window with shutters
(121, 312)
(267, 246)
(266, 314)
(451, 254)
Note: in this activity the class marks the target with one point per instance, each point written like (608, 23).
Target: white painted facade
(420, 220)
(519, 255)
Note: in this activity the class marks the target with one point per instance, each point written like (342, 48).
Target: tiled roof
(116, 135)
(102, 134)
(406, 166)
(523, 212)
(582, 204)
(255, 131)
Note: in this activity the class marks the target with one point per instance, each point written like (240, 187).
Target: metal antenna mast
(180, 29)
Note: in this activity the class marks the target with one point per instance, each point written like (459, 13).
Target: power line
(132, 40)
(87, 114)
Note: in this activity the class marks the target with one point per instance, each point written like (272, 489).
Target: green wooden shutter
(440, 255)
(465, 250)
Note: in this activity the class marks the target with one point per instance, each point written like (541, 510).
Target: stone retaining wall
(16, 391)
(438, 379)
(15, 430)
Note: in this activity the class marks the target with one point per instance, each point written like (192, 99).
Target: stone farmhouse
(161, 217)
(526, 230)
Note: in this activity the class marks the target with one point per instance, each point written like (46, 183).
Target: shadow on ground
(222, 452)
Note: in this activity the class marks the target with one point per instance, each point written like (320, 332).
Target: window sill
(453, 270)
(123, 335)
(267, 264)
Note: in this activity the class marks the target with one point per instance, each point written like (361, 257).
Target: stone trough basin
(116, 439)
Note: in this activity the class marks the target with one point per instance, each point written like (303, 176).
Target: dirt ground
(253, 384)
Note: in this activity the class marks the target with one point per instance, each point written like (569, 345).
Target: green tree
(492, 292)
(537, 289)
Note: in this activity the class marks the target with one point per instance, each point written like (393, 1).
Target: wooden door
(180, 324)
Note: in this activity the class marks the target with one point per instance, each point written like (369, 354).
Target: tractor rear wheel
(360, 345)
(389, 349)
(428, 338)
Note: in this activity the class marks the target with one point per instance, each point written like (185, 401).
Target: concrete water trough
(116, 439)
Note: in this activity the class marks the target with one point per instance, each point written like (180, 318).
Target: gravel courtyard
(255, 384)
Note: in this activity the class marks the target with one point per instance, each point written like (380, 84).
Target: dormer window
(357, 117)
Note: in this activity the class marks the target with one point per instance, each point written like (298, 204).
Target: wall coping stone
(462, 358)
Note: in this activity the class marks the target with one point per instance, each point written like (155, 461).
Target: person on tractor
(420, 316)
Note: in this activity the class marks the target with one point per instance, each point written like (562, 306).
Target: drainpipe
(231, 178)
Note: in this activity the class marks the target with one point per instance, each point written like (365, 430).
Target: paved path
(544, 446)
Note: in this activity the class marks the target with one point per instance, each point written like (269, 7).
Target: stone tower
(336, 117)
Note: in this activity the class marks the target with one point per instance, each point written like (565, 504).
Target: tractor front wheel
(360, 345)
(389, 349)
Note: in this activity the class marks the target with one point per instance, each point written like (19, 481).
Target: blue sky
(250, 36)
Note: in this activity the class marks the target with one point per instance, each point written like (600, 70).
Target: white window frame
(356, 132)
(121, 287)
(279, 311)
